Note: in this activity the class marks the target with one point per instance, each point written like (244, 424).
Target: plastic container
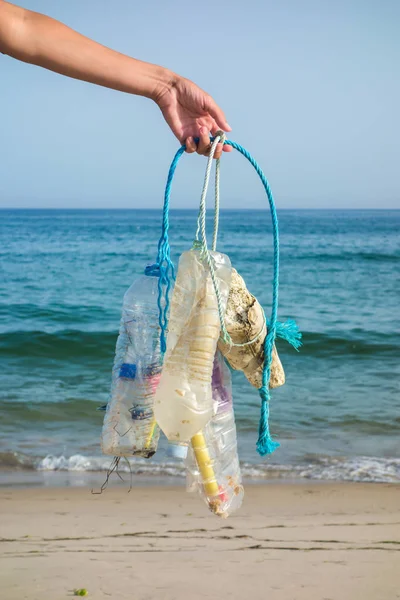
(212, 463)
(183, 402)
(245, 323)
(129, 427)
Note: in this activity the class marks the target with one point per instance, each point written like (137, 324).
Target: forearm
(40, 40)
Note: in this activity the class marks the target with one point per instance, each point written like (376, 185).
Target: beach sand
(288, 542)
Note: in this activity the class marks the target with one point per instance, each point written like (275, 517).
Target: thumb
(218, 115)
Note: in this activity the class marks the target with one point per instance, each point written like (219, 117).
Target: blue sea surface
(63, 274)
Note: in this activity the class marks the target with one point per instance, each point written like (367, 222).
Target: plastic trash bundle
(129, 427)
(213, 463)
(168, 372)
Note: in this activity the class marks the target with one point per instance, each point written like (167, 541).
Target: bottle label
(140, 413)
(127, 371)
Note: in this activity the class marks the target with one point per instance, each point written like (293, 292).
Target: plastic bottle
(212, 463)
(183, 403)
(129, 427)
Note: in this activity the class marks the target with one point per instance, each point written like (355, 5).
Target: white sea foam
(367, 469)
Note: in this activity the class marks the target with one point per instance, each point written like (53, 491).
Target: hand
(190, 112)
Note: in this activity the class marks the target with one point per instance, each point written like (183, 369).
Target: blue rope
(265, 443)
(164, 263)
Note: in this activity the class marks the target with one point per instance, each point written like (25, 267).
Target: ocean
(63, 274)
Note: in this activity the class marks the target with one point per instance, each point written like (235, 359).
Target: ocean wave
(79, 462)
(17, 461)
(59, 345)
(342, 256)
(82, 414)
(72, 410)
(361, 469)
(357, 342)
(67, 343)
(54, 314)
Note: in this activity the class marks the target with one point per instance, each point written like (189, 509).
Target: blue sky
(311, 88)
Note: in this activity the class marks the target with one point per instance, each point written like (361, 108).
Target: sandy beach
(288, 542)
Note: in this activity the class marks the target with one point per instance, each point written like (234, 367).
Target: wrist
(161, 82)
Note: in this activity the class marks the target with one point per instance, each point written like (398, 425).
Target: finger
(218, 151)
(222, 147)
(190, 145)
(217, 114)
(204, 145)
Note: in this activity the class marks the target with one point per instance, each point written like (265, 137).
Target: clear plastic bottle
(129, 427)
(212, 462)
(183, 403)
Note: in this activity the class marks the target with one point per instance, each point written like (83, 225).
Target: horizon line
(195, 209)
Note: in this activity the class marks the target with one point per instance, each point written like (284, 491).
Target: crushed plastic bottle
(183, 402)
(212, 462)
(129, 427)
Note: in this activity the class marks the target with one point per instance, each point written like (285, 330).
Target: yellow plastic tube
(151, 433)
(204, 463)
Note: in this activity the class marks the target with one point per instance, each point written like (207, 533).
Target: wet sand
(288, 542)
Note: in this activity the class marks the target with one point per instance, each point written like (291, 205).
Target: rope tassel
(290, 332)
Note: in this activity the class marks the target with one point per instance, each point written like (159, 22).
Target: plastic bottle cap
(177, 451)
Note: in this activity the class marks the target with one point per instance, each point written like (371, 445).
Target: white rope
(216, 206)
(202, 209)
(201, 229)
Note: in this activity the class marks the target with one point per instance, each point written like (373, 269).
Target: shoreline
(81, 470)
(305, 541)
(36, 479)
(42, 478)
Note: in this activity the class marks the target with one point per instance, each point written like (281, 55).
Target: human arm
(37, 39)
